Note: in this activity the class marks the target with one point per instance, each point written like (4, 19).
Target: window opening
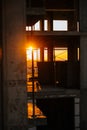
(36, 54)
(38, 112)
(32, 56)
(45, 25)
(60, 54)
(45, 54)
(35, 27)
(60, 25)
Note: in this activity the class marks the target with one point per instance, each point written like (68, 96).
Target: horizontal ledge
(55, 93)
(37, 122)
(48, 9)
(55, 33)
(35, 11)
(55, 10)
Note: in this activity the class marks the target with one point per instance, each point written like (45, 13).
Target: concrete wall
(83, 81)
(61, 74)
(1, 71)
(83, 64)
(83, 15)
(15, 96)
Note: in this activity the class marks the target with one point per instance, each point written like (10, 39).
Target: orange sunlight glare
(29, 53)
(38, 112)
(36, 53)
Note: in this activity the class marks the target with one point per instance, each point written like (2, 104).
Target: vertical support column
(1, 70)
(76, 15)
(72, 52)
(83, 64)
(42, 25)
(83, 15)
(50, 23)
(72, 22)
(50, 54)
(15, 95)
(83, 82)
(73, 17)
(41, 54)
(72, 66)
(1, 93)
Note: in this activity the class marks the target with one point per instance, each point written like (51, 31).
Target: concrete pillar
(1, 71)
(50, 53)
(83, 64)
(72, 52)
(72, 22)
(83, 82)
(50, 23)
(83, 15)
(42, 25)
(73, 18)
(42, 54)
(15, 95)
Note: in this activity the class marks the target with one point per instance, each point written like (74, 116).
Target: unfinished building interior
(43, 63)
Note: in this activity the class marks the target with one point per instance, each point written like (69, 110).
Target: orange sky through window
(60, 54)
(36, 53)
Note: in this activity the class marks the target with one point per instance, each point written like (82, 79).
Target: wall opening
(59, 113)
(60, 25)
(60, 54)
